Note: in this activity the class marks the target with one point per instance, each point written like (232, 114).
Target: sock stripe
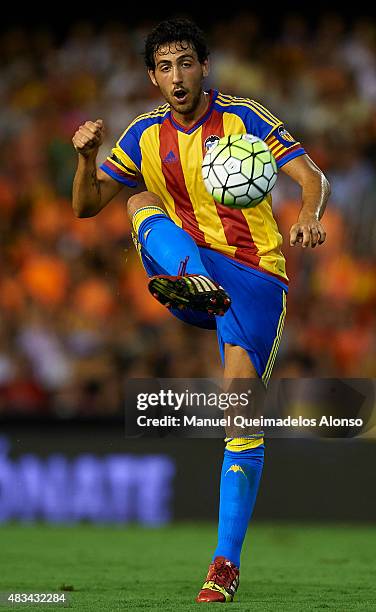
(241, 444)
(143, 213)
(250, 437)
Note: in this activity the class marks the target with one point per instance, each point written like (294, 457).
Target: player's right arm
(93, 189)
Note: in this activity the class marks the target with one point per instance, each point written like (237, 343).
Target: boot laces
(183, 266)
(222, 573)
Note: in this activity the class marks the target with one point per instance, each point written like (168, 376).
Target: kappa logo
(210, 142)
(235, 468)
(285, 135)
(170, 158)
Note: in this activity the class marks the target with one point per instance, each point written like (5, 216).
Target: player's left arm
(308, 231)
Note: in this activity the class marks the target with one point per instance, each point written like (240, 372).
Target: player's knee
(140, 200)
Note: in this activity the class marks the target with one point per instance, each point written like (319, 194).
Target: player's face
(179, 74)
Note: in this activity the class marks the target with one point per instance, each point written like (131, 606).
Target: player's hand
(307, 233)
(89, 137)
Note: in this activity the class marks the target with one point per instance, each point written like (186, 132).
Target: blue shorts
(256, 316)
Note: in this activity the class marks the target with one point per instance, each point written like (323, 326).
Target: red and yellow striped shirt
(169, 157)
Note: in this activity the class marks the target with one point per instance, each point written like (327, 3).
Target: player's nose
(176, 75)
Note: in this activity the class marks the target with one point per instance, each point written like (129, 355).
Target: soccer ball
(239, 171)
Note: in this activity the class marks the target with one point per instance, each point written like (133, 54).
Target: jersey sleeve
(124, 162)
(262, 123)
(283, 146)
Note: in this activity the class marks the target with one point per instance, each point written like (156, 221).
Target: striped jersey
(168, 157)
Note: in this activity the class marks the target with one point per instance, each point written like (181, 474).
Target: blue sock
(169, 246)
(240, 479)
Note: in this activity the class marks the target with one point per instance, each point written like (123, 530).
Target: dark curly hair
(175, 30)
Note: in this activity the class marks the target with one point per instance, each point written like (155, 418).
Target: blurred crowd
(76, 316)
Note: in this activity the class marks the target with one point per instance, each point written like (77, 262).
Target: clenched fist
(307, 232)
(88, 137)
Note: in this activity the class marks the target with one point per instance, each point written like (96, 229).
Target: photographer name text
(244, 422)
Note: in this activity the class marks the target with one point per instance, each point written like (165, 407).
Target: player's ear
(205, 68)
(152, 77)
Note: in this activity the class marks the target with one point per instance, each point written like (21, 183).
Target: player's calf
(186, 285)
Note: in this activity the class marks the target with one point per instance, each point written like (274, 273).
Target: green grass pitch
(285, 568)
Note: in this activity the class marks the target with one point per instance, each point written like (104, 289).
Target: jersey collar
(213, 95)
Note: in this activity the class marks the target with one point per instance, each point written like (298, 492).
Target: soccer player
(210, 265)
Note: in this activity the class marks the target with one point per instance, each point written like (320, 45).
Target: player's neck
(187, 120)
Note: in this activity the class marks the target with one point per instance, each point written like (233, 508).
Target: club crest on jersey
(210, 142)
(285, 135)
